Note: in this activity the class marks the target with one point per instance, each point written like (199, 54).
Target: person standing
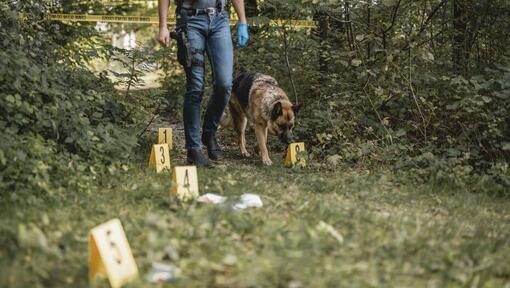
(202, 29)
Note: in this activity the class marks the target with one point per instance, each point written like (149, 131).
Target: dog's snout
(286, 137)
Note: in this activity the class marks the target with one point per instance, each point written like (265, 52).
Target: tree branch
(393, 17)
(424, 25)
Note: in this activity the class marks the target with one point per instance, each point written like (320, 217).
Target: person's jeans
(209, 34)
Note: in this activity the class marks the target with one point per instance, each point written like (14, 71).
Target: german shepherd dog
(257, 98)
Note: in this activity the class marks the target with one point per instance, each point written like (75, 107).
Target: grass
(316, 229)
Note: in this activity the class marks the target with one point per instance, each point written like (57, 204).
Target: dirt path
(226, 138)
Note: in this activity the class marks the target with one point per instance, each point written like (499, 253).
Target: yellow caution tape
(155, 20)
(103, 18)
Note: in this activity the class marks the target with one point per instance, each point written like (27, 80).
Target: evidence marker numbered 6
(110, 255)
(296, 155)
(165, 136)
(185, 182)
(160, 157)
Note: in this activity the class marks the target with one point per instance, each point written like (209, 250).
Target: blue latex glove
(242, 34)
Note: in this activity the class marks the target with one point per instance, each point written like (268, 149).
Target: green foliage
(57, 119)
(136, 62)
(379, 86)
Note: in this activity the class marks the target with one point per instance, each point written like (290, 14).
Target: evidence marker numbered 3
(160, 157)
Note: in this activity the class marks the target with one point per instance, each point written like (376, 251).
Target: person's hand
(164, 36)
(242, 34)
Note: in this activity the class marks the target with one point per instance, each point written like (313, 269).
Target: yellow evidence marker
(185, 182)
(165, 136)
(160, 157)
(110, 254)
(295, 155)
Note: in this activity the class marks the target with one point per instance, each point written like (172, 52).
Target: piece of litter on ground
(323, 226)
(211, 198)
(162, 272)
(248, 200)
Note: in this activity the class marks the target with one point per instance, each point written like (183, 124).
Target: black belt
(202, 11)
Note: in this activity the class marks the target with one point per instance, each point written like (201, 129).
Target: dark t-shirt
(198, 4)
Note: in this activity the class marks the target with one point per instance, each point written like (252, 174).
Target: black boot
(196, 157)
(213, 149)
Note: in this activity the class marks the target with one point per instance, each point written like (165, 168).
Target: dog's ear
(277, 111)
(296, 108)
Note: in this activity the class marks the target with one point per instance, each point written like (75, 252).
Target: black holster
(183, 46)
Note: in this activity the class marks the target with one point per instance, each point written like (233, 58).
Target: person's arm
(242, 26)
(164, 34)
(239, 7)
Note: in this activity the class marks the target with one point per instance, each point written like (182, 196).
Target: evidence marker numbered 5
(110, 255)
(296, 155)
(160, 157)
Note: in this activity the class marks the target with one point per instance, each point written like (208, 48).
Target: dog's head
(283, 117)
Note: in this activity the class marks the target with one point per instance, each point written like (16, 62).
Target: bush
(400, 106)
(56, 117)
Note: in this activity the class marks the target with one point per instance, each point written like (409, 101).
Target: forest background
(419, 90)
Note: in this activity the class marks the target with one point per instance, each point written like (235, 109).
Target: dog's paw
(267, 162)
(245, 154)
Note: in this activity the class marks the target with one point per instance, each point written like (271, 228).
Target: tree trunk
(459, 49)
(347, 16)
(322, 33)
(369, 47)
(251, 8)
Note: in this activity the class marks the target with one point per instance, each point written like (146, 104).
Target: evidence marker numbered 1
(295, 155)
(165, 136)
(185, 182)
(160, 157)
(110, 255)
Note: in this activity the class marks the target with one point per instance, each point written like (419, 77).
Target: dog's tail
(239, 78)
(226, 119)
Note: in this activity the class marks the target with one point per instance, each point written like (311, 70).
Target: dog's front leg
(261, 133)
(242, 138)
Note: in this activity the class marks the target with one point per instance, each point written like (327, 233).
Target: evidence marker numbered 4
(185, 182)
(110, 255)
(160, 157)
(296, 155)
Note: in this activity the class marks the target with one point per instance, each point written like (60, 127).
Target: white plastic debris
(248, 200)
(211, 198)
(162, 272)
